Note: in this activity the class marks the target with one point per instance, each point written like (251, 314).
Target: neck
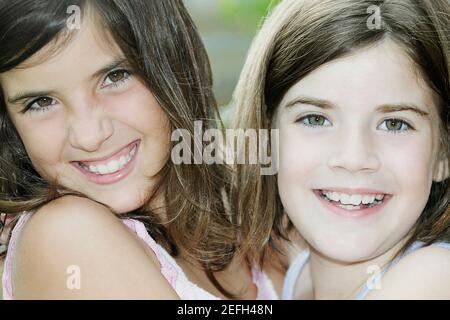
(332, 279)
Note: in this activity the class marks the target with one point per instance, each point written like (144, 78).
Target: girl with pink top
(90, 93)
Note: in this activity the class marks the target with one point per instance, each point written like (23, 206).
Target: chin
(347, 255)
(346, 250)
(121, 205)
(122, 208)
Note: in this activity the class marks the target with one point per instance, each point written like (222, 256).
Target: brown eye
(44, 102)
(116, 77)
(40, 104)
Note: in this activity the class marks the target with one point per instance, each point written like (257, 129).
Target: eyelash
(405, 124)
(309, 116)
(29, 106)
(119, 82)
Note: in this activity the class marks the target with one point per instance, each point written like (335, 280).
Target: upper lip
(110, 156)
(353, 190)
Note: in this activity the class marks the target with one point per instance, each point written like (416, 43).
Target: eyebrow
(384, 108)
(120, 61)
(323, 104)
(387, 108)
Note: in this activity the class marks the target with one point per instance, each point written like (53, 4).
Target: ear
(441, 170)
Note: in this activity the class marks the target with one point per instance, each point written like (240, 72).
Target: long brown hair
(298, 37)
(164, 48)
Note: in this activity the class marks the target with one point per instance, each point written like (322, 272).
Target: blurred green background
(227, 28)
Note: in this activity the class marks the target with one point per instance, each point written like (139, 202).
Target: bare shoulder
(75, 248)
(424, 274)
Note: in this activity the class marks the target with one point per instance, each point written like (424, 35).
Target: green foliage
(245, 12)
(244, 7)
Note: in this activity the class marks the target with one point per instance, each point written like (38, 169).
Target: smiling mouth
(111, 166)
(352, 201)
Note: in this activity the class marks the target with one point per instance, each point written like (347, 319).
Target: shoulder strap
(294, 271)
(7, 277)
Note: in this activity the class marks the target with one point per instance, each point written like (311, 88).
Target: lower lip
(360, 213)
(112, 177)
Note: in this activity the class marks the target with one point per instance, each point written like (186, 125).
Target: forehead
(376, 75)
(64, 59)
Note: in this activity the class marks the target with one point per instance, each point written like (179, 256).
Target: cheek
(299, 162)
(44, 142)
(139, 109)
(300, 157)
(410, 160)
(411, 167)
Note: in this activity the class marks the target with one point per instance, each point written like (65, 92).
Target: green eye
(314, 120)
(395, 125)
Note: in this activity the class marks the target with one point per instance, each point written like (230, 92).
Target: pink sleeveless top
(173, 273)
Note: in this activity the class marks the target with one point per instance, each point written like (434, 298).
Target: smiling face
(89, 121)
(358, 138)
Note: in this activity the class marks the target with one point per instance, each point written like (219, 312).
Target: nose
(354, 151)
(89, 127)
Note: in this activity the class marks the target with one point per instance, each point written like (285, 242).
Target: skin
(351, 145)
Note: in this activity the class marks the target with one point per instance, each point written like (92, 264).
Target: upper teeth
(353, 199)
(111, 166)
